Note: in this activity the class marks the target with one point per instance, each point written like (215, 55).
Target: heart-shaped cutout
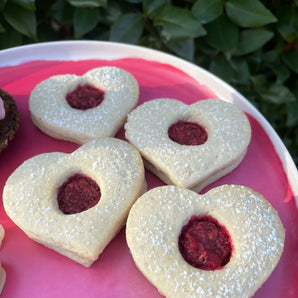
(224, 131)
(82, 108)
(30, 196)
(161, 231)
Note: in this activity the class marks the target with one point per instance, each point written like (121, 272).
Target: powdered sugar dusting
(228, 131)
(155, 222)
(51, 112)
(30, 196)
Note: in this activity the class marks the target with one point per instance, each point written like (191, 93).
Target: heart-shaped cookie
(32, 192)
(224, 243)
(220, 130)
(2, 271)
(82, 108)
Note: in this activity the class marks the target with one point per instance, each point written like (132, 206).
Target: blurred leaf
(207, 10)
(128, 28)
(241, 70)
(278, 94)
(110, 14)
(183, 48)
(10, 38)
(291, 59)
(282, 73)
(231, 71)
(85, 19)
(292, 112)
(221, 68)
(62, 11)
(259, 82)
(2, 29)
(207, 50)
(22, 20)
(288, 22)
(87, 3)
(249, 13)
(28, 4)
(251, 40)
(178, 23)
(150, 7)
(151, 41)
(270, 56)
(272, 92)
(2, 4)
(134, 1)
(222, 34)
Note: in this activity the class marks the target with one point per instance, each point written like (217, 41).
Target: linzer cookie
(2, 271)
(76, 203)
(189, 145)
(9, 119)
(82, 108)
(225, 243)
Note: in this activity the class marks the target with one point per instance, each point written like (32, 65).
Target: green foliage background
(250, 44)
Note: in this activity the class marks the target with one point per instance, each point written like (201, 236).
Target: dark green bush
(251, 44)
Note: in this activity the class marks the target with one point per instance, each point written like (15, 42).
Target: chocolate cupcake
(9, 119)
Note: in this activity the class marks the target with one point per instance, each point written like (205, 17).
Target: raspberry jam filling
(78, 193)
(187, 133)
(85, 97)
(205, 244)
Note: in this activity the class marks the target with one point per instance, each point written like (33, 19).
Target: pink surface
(36, 271)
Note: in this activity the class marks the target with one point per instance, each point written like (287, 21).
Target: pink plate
(36, 271)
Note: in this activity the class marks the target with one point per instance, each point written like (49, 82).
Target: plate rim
(89, 49)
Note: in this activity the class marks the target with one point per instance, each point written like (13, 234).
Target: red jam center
(187, 133)
(85, 97)
(205, 244)
(78, 193)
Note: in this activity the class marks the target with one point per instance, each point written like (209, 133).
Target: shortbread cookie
(225, 243)
(9, 119)
(76, 203)
(2, 278)
(82, 108)
(2, 271)
(189, 145)
(2, 233)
